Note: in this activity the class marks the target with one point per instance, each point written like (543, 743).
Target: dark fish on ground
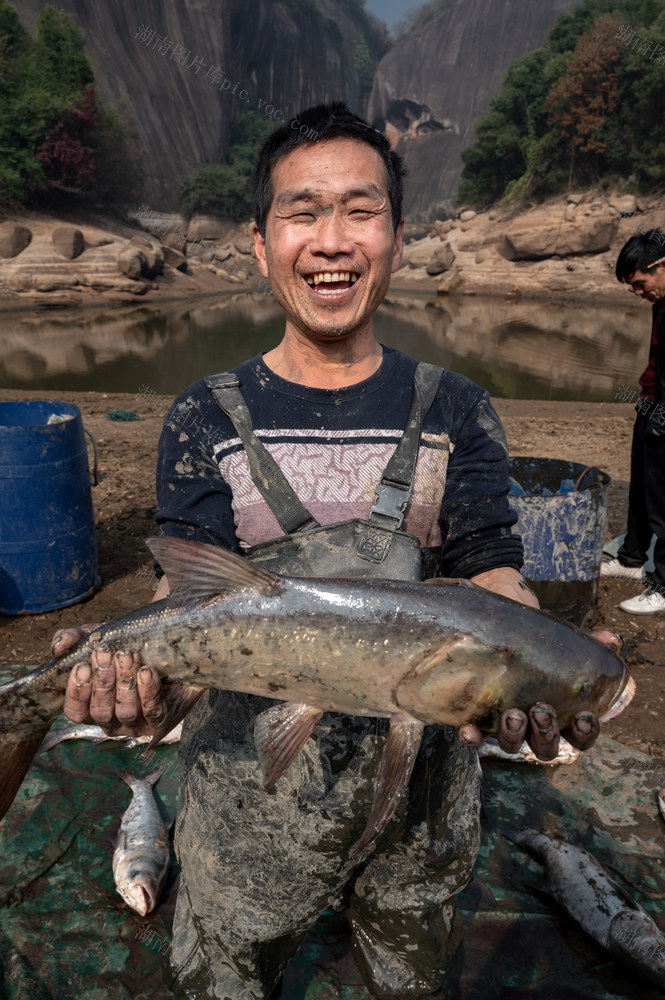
(443, 653)
(614, 920)
(95, 734)
(141, 857)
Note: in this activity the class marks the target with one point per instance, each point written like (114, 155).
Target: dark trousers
(258, 868)
(646, 501)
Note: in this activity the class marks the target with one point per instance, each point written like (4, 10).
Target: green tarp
(65, 934)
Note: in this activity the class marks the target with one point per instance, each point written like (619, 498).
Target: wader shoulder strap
(394, 491)
(268, 478)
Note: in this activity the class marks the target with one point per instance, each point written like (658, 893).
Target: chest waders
(376, 547)
(258, 868)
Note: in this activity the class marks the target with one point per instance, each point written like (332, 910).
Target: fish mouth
(622, 698)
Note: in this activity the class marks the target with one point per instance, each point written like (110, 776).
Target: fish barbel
(614, 920)
(442, 653)
(141, 856)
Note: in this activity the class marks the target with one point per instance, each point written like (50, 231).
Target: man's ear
(260, 251)
(399, 246)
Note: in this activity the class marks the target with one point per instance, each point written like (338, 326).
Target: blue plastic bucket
(48, 548)
(562, 511)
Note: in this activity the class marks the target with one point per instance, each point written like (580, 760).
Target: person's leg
(654, 500)
(259, 867)
(402, 911)
(634, 548)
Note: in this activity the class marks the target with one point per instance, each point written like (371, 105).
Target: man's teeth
(327, 277)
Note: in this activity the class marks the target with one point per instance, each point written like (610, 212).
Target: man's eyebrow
(293, 195)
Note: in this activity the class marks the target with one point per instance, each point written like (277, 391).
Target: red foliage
(67, 161)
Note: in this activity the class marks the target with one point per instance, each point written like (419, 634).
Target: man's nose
(331, 235)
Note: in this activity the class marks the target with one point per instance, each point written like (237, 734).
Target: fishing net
(65, 933)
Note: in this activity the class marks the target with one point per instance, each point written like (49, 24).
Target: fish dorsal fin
(280, 733)
(399, 757)
(196, 570)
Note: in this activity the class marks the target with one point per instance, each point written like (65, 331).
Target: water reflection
(515, 349)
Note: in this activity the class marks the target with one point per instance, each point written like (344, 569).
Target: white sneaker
(647, 603)
(612, 567)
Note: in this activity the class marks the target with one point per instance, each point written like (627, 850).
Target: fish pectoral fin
(399, 757)
(280, 733)
(180, 700)
(198, 570)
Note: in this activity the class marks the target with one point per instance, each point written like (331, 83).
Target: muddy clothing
(258, 868)
(646, 497)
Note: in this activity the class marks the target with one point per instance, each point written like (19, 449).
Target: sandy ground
(589, 433)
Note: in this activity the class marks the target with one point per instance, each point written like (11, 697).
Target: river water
(520, 350)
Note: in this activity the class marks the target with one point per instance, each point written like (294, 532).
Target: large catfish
(443, 653)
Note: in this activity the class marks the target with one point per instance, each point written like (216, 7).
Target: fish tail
(15, 760)
(152, 777)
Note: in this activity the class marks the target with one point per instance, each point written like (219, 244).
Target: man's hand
(114, 690)
(540, 728)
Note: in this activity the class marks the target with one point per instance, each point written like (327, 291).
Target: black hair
(325, 121)
(640, 253)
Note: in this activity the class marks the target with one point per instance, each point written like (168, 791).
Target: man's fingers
(583, 731)
(102, 702)
(66, 638)
(543, 733)
(512, 730)
(78, 694)
(151, 694)
(127, 703)
(612, 639)
(470, 735)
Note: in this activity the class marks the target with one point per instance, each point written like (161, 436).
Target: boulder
(205, 227)
(174, 258)
(131, 262)
(538, 236)
(244, 244)
(154, 262)
(624, 204)
(467, 215)
(441, 260)
(13, 239)
(419, 254)
(451, 282)
(68, 241)
(176, 241)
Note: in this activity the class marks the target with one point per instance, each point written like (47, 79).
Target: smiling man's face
(329, 247)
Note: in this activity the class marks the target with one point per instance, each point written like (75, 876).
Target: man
(330, 406)
(641, 264)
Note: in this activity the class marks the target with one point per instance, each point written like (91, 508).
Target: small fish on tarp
(95, 734)
(141, 857)
(615, 921)
(490, 748)
(661, 802)
(445, 653)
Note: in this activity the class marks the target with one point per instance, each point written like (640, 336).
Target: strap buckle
(390, 502)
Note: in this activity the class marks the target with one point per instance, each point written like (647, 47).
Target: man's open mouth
(334, 281)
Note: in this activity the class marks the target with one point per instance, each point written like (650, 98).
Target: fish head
(467, 680)
(139, 879)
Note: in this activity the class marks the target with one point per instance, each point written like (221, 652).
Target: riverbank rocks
(441, 260)
(532, 239)
(68, 241)
(14, 238)
(173, 258)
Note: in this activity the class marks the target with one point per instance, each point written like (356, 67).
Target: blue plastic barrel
(562, 512)
(48, 548)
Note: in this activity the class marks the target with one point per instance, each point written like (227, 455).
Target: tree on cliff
(53, 128)
(583, 108)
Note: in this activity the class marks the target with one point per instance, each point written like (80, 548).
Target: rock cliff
(437, 80)
(186, 69)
